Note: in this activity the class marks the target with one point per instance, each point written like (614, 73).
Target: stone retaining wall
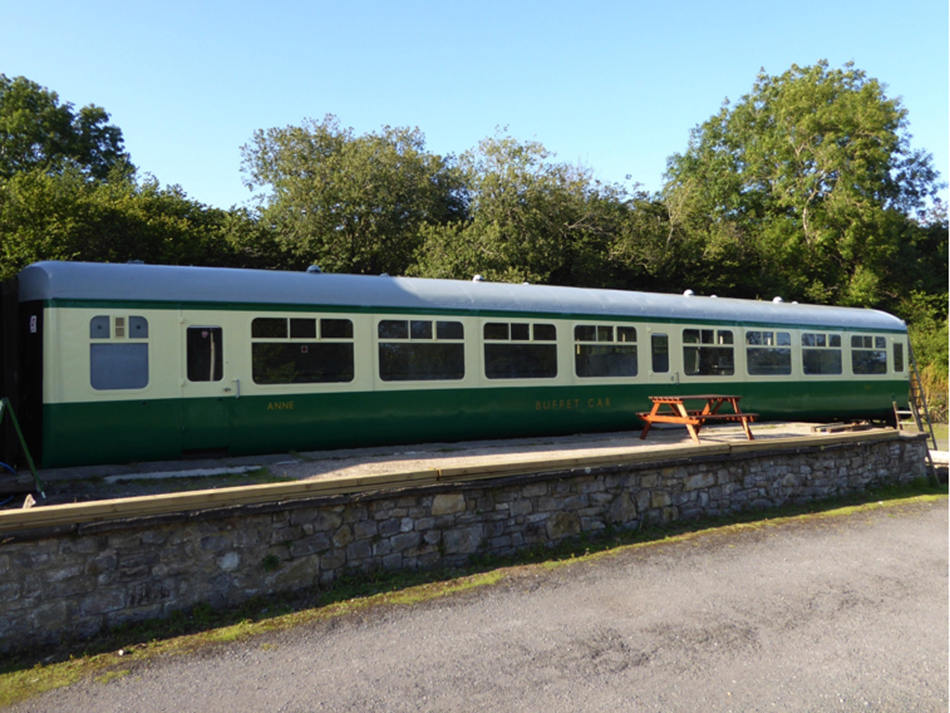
(76, 581)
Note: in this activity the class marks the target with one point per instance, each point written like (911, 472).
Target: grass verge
(116, 653)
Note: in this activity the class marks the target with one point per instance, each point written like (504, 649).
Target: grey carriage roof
(173, 284)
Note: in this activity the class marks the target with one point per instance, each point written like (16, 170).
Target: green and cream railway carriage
(141, 362)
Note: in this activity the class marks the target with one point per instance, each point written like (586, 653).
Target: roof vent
(777, 300)
(712, 297)
(478, 278)
(688, 293)
(384, 274)
(314, 270)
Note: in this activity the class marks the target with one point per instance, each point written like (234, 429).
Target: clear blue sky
(615, 86)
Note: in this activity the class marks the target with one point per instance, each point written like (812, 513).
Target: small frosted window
(138, 328)
(99, 327)
(118, 366)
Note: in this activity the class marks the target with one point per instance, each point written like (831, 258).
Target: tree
(67, 217)
(529, 219)
(810, 177)
(37, 131)
(351, 203)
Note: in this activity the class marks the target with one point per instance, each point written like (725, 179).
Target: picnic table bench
(694, 419)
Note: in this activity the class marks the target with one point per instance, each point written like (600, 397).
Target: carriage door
(207, 389)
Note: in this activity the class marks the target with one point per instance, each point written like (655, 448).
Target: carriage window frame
(660, 353)
(420, 350)
(519, 349)
(605, 351)
(898, 357)
(708, 352)
(822, 354)
(118, 352)
(302, 350)
(868, 354)
(768, 353)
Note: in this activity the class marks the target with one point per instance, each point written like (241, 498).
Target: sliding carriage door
(208, 388)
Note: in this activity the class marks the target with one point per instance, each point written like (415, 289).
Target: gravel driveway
(836, 613)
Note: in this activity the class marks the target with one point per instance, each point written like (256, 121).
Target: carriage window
(205, 353)
(868, 354)
(821, 353)
(118, 366)
(264, 327)
(708, 352)
(100, 327)
(421, 350)
(768, 353)
(138, 328)
(520, 350)
(336, 329)
(301, 350)
(303, 329)
(660, 353)
(115, 362)
(898, 357)
(605, 350)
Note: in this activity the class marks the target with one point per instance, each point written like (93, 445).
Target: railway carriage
(131, 362)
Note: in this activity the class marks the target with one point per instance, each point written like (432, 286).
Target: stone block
(365, 529)
(229, 562)
(534, 490)
(448, 504)
(463, 540)
(388, 528)
(405, 540)
(700, 480)
(563, 524)
(358, 551)
(622, 510)
(343, 536)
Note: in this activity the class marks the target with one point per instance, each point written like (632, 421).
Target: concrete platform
(385, 459)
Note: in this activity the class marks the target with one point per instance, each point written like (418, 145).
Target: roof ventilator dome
(314, 270)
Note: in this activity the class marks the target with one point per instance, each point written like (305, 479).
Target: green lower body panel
(126, 431)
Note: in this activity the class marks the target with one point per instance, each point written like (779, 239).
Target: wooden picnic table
(694, 419)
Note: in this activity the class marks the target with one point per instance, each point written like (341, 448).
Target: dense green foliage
(810, 181)
(350, 203)
(807, 187)
(36, 131)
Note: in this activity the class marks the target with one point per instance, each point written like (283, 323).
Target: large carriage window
(868, 354)
(601, 350)
(421, 350)
(118, 358)
(301, 350)
(708, 352)
(205, 353)
(821, 353)
(520, 350)
(768, 353)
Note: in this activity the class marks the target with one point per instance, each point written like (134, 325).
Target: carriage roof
(109, 282)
